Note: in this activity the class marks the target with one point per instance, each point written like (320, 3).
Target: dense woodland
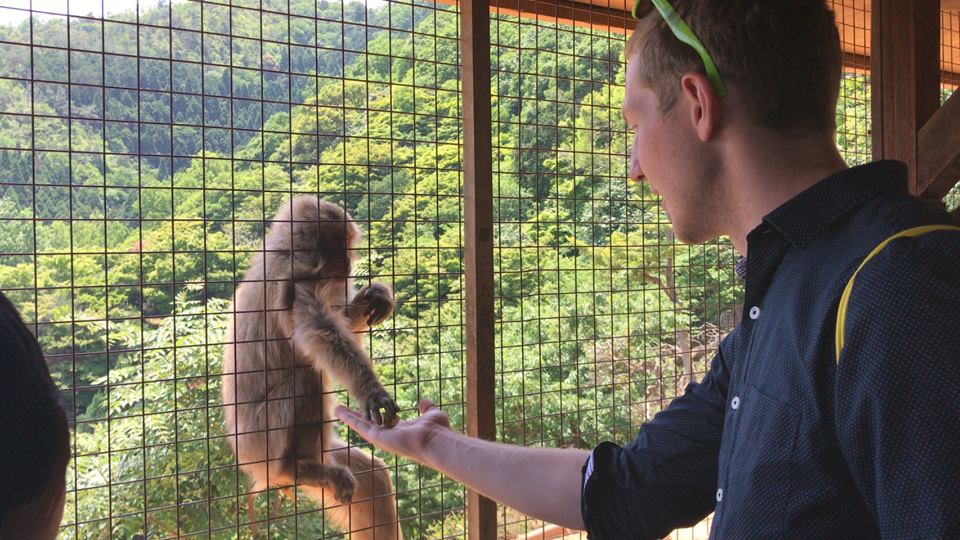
(139, 166)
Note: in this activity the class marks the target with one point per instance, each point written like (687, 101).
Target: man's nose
(635, 172)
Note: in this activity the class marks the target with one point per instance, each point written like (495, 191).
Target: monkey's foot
(333, 477)
(343, 484)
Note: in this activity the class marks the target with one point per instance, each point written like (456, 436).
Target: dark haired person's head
(34, 435)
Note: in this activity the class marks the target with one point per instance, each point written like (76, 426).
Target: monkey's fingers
(390, 409)
(390, 421)
(377, 313)
(390, 416)
(374, 416)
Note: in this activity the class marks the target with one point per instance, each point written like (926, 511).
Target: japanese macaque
(295, 328)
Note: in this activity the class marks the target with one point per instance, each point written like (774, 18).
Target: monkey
(294, 327)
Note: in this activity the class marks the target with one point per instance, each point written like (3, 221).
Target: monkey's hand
(376, 399)
(372, 304)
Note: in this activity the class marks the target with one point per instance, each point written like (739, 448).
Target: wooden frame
(478, 256)
(938, 160)
(905, 73)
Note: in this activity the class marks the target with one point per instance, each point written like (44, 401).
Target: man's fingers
(354, 420)
(425, 405)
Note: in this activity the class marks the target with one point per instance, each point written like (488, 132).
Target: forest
(142, 155)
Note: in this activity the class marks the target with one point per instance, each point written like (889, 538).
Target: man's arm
(543, 483)
(665, 478)
(897, 402)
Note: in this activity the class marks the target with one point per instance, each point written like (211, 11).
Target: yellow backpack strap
(845, 297)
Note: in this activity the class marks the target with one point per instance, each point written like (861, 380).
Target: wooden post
(905, 77)
(478, 231)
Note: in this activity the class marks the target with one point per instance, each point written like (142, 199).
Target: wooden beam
(939, 160)
(478, 240)
(905, 77)
(562, 12)
(575, 13)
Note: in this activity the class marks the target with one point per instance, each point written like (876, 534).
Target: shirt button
(754, 312)
(719, 494)
(735, 403)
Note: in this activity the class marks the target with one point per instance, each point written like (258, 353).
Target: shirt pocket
(762, 466)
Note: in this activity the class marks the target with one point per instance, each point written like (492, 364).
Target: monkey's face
(336, 250)
(336, 255)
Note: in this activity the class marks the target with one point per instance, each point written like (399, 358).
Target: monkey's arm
(320, 335)
(370, 306)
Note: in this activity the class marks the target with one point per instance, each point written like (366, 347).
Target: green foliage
(853, 119)
(149, 444)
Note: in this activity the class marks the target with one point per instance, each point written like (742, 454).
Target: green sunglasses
(686, 35)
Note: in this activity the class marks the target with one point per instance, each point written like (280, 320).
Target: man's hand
(544, 483)
(409, 438)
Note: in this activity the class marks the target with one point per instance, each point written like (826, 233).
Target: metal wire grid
(853, 108)
(599, 311)
(596, 274)
(950, 78)
(143, 149)
(950, 51)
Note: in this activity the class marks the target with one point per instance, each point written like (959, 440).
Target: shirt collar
(804, 217)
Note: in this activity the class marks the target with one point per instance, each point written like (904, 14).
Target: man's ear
(706, 109)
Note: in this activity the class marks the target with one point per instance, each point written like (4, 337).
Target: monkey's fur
(296, 323)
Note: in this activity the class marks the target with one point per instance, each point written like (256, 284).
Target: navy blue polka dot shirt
(781, 439)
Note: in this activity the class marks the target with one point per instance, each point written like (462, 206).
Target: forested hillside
(124, 228)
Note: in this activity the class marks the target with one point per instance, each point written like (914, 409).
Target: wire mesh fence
(950, 75)
(602, 317)
(853, 107)
(144, 149)
(950, 50)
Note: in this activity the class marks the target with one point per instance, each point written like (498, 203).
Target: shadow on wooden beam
(563, 12)
(938, 162)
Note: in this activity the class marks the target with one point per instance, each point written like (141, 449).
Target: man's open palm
(409, 438)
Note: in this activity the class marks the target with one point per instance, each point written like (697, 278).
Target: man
(784, 436)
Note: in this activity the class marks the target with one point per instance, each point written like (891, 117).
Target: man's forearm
(543, 483)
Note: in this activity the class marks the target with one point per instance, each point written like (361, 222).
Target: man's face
(665, 154)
